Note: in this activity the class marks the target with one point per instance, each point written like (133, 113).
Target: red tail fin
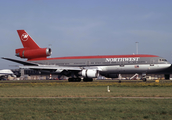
(31, 50)
(26, 40)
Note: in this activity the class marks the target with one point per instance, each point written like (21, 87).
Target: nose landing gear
(144, 77)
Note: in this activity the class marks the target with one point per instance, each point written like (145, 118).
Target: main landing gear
(74, 79)
(88, 79)
(79, 79)
(144, 79)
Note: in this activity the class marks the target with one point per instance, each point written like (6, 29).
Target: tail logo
(24, 37)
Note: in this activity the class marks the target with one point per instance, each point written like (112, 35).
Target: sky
(87, 27)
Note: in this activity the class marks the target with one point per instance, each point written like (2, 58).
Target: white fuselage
(119, 64)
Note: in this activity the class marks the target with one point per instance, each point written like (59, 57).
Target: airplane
(5, 72)
(86, 67)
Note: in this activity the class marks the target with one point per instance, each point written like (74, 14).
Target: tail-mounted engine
(33, 53)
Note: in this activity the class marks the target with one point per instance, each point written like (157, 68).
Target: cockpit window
(162, 60)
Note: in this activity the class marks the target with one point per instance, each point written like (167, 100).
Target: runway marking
(95, 97)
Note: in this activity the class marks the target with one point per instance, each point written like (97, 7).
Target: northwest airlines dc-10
(86, 67)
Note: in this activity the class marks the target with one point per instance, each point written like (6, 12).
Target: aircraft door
(152, 61)
(88, 63)
(121, 67)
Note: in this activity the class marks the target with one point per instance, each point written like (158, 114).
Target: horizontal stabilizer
(21, 62)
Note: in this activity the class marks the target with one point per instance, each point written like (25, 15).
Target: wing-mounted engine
(33, 53)
(90, 73)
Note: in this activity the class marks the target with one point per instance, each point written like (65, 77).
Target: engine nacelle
(33, 53)
(90, 73)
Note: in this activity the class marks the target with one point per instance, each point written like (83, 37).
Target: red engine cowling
(33, 53)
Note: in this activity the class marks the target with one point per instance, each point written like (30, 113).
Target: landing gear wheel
(74, 80)
(70, 80)
(144, 80)
(88, 79)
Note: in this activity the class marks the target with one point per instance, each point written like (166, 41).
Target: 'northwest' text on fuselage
(121, 59)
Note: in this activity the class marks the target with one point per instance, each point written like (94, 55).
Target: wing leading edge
(55, 68)
(35, 66)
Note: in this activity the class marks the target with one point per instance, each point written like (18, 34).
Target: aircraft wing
(53, 68)
(86, 71)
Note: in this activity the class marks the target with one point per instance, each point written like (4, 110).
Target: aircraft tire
(78, 79)
(144, 80)
(74, 80)
(87, 79)
(70, 80)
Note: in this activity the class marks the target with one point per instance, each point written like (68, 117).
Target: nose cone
(169, 65)
(166, 65)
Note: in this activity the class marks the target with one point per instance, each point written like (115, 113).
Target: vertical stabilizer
(31, 50)
(26, 40)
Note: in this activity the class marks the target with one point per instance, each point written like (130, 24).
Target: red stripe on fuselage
(93, 57)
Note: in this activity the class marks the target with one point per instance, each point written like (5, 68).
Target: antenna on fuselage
(137, 51)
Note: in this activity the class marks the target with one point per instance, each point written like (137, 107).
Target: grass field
(84, 109)
(12, 108)
(71, 91)
(90, 89)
